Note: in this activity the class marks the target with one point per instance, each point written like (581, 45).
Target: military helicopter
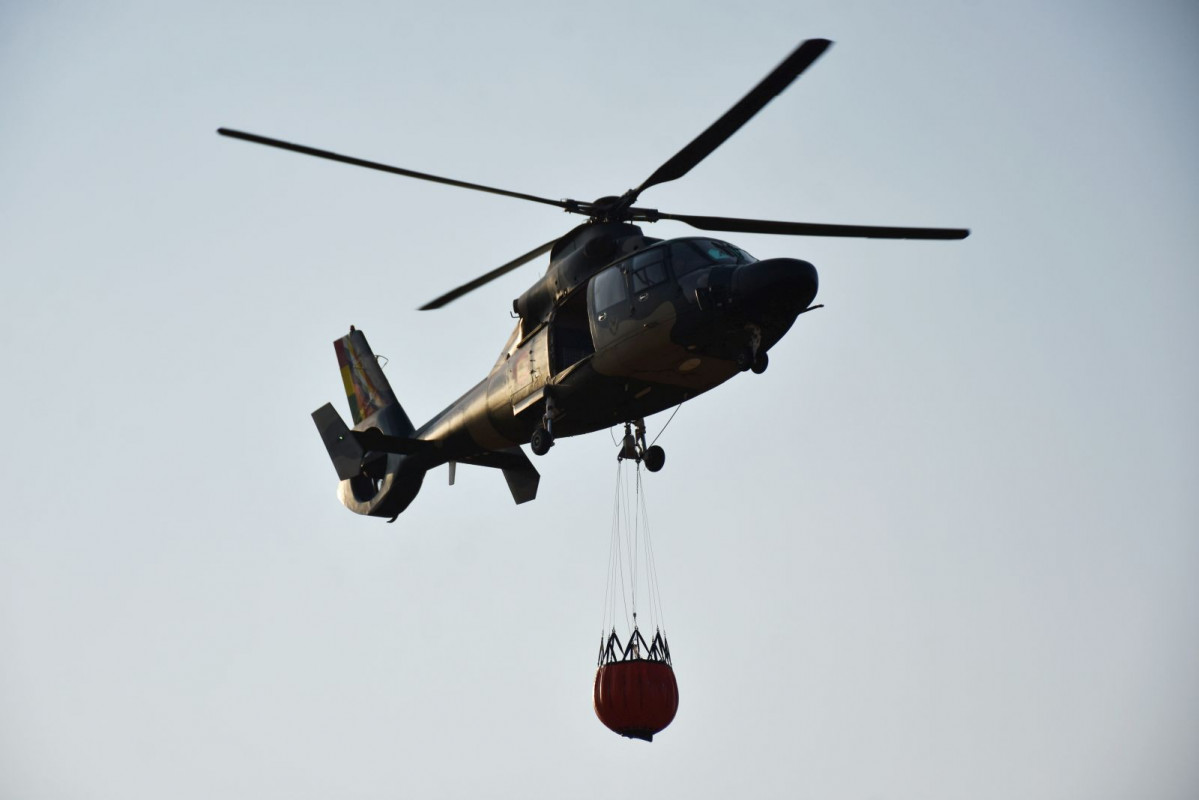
(621, 326)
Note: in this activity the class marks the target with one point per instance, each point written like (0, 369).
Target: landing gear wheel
(654, 458)
(760, 363)
(541, 442)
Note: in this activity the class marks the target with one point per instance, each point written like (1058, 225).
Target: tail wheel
(760, 363)
(654, 458)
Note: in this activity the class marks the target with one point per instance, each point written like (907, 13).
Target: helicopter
(621, 326)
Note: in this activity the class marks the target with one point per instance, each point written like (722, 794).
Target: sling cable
(635, 691)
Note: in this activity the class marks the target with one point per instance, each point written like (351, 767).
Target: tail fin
(380, 467)
(367, 388)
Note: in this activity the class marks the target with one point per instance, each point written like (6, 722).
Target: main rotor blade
(454, 294)
(720, 130)
(359, 162)
(735, 225)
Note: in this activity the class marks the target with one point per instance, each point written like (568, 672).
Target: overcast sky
(946, 546)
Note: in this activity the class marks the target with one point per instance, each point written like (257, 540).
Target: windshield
(687, 255)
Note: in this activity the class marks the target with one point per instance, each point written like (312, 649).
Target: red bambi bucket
(636, 698)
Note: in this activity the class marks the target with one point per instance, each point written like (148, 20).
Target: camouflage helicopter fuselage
(621, 326)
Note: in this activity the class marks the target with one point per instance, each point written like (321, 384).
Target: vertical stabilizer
(380, 482)
(366, 386)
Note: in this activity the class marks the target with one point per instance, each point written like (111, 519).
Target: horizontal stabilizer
(518, 470)
(344, 450)
(348, 448)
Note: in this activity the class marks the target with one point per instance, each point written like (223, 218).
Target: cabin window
(609, 289)
(649, 269)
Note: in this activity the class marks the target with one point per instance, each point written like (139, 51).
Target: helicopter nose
(784, 283)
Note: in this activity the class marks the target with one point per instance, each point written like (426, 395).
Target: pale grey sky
(947, 546)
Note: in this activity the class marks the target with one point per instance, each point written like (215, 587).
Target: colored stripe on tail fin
(366, 387)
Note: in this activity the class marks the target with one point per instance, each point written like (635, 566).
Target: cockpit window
(686, 257)
(689, 255)
(609, 288)
(719, 254)
(648, 269)
(725, 253)
(746, 258)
